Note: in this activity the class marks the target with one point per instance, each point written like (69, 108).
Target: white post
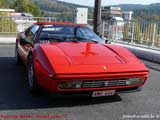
(153, 36)
(116, 32)
(132, 38)
(103, 27)
(49, 19)
(2, 24)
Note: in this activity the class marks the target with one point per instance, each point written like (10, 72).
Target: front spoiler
(89, 93)
(129, 90)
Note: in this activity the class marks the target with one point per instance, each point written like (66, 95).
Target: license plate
(103, 93)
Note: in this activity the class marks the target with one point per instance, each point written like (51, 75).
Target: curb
(7, 40)
(143, 53)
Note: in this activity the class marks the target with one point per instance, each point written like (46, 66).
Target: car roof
(59, 23)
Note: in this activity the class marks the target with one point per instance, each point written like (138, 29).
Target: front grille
(104, 83)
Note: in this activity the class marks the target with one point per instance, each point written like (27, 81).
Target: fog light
(70, 85)
(135, 81)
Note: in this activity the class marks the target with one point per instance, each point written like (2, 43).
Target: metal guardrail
(142, 34)
(13, 25)
(7, 25)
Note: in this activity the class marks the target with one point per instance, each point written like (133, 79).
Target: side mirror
(106, 40)
(23, 41)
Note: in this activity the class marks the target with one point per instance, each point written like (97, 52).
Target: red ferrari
(68, 58)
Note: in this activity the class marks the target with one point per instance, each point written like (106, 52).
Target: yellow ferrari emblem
(104, 67)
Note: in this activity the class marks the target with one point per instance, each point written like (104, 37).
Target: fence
(7, 25)
(143, 34)
(13, 25)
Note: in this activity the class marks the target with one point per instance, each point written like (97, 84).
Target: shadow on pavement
(14, 92)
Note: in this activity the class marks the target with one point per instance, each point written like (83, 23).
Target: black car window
(67, 33)
(87, 33)
(31, 32)
(57, 30)
(27, 31)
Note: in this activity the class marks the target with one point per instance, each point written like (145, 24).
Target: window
(58, 30)
(35, 29)
(31, 32)
(67, 33)
(85, 32)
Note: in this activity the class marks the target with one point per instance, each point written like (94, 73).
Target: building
(110, 12)
(127, 15)
(113, 23)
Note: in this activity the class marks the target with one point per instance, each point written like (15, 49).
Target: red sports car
(68, 58)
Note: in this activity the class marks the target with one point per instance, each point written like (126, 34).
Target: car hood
(89, 57)
(82, 53)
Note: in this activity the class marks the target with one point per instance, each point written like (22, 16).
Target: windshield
(68, 33)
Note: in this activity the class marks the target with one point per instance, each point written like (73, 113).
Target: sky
(112, 2)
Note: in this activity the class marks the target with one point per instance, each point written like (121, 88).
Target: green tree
(26, 6)
(3, 4)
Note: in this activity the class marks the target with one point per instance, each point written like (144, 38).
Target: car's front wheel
(32, 82)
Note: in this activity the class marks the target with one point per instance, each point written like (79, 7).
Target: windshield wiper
(74, 37)
(78, 39)
(52, 39)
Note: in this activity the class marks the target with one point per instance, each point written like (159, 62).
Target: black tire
(32, 82)
(18, 59)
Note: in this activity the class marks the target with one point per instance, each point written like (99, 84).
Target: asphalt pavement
(16, 101)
